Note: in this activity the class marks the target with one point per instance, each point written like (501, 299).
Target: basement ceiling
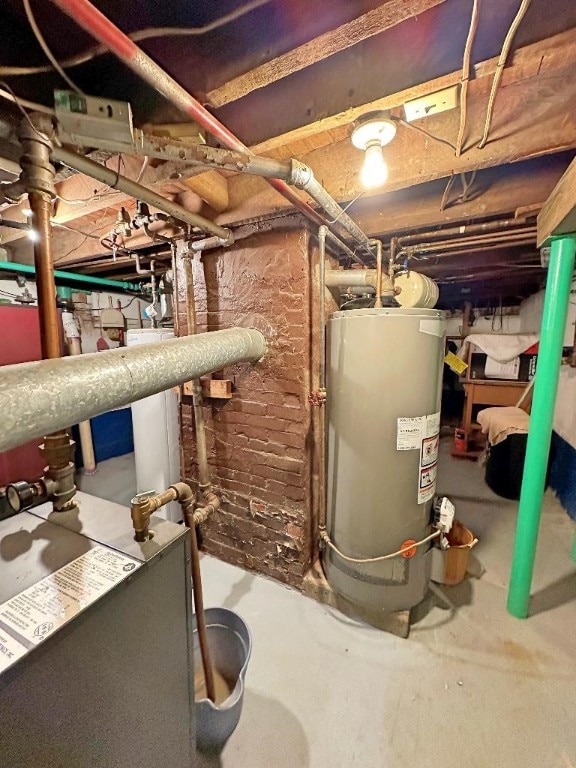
(286, 78)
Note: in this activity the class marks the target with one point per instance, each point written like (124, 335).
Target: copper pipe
(378, 244)
(197, 397)
(200, 618)
(320, 403)
(141, 508)
(44, 265)
(470, 229)
(186, 499)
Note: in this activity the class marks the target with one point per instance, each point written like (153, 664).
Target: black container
(505, 466)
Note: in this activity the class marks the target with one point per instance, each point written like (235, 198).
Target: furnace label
(46, 606)
(10, 650)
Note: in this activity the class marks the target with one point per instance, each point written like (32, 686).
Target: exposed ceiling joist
(369, 24)
(533, 116)
(524, 185)
(525, 63)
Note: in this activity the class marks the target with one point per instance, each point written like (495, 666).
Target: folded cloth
(498, 423)
(503, 347)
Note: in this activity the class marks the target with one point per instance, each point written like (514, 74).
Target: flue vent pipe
(42, 397)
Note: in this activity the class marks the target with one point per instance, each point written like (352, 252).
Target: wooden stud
(558, 215)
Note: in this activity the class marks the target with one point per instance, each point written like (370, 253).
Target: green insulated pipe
(73, 277)
(563, 250)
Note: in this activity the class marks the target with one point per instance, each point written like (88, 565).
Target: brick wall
(259, 442)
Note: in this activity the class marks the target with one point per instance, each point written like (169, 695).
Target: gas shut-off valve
(443, 518)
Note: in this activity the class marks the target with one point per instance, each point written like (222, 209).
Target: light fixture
(27, 212)
(33, 235)
(372, 132)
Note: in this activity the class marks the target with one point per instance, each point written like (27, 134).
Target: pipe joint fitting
(300, 174)
(38, 173)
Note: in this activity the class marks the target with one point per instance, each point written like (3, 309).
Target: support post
(556, 300)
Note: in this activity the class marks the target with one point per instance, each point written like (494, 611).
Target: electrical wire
(327, 540)
(143, 34)
(44, 45)
(524, 5)
(426, 133)
(21, 103)
(466, 75)
(101, 309)
(350, 204)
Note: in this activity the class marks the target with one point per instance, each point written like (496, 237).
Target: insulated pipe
(72, 277)
(41, 397)
(116, 181)
(557, 297)
(346, 278)
(102, 29)
(302, 176)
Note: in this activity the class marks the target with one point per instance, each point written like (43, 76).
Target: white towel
(503, 347)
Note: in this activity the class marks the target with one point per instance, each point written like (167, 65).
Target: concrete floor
(471, 688)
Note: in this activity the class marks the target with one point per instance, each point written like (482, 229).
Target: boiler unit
(384, 389)
(96, 641)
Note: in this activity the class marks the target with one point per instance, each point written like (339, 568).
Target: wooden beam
(558, 215)
(523, 185)
(211, 187)
(532, 117)
(526, 62)
(369, 24)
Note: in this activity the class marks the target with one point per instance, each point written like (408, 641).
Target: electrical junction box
(432, 104)
(96, 665)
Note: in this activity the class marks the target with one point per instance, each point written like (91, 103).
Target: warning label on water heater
(421, 433)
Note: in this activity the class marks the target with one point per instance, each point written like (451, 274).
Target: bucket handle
(472, 543)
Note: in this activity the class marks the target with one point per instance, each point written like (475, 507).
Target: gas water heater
(384, 390)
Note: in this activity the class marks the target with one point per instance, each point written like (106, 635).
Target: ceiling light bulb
(374, 169)
(33, 235)
(27, 212)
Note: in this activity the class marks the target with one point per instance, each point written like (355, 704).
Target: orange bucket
(449, 566)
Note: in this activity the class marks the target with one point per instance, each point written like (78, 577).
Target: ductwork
(42, 397)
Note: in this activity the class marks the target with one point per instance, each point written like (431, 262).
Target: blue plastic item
(230, 647)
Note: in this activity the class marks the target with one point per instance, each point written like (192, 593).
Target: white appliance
(156, 432)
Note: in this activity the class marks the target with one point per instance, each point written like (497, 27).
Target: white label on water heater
(409, 433)
(421, 433)
(428, 458)
(43, 608)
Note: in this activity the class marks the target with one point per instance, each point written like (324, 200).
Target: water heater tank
(384, 390)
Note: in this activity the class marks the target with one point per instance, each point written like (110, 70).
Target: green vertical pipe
(563, 250)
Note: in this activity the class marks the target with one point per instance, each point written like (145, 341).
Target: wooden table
(488, 392)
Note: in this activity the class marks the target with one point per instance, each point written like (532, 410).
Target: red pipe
(101, 28)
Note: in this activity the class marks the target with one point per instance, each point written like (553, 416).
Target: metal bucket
(230, 646)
